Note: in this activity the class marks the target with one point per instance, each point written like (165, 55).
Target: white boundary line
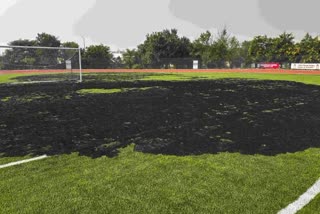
(22, 161)
(303, 200)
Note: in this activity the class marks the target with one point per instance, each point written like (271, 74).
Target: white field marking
(303, 200)
(22, 161)
(33, 82)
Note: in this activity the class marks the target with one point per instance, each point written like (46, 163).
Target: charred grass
(173, 118)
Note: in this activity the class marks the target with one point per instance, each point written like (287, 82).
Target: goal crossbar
(38, 47)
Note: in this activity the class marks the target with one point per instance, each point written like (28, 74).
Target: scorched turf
(176, 118)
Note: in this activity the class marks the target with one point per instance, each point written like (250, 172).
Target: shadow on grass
(174, 118)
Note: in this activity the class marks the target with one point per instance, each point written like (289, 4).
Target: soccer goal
(41, 64)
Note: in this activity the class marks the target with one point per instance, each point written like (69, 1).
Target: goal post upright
(80, 65)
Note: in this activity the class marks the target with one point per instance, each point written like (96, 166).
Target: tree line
(166, 49)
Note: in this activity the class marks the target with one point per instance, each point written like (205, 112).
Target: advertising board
(68, 65)
(269, 65)
(195, 64)
(305, 66)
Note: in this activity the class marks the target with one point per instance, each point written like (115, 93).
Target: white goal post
(38, 58)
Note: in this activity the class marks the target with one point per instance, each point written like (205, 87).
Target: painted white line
(303, 200)
(23, 161)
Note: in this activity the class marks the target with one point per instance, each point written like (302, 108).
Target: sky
(123, 24)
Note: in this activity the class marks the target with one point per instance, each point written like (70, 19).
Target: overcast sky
(124, 23)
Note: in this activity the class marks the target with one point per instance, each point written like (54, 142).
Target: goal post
(46, 63)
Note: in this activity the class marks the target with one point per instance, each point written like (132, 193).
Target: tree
(283, 48)
(222, 52)
(130, 58)
(19, 58)
(97, 56)
(47, 40)
(260, 49)
(160, 48)
(246, 59)
(201, 48)
(308, 50)
(70, 45)
(234, 53)
(47, 56)
(225, 51)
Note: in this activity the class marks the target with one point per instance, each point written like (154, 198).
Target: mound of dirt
(175, 118)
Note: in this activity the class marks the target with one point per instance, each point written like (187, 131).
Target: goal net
(41, 64)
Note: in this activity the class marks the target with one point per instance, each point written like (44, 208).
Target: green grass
(303, 78)
(110, 91)
(313, 207)
(134, 182)
(5, 99)
(117, 76)
(308, 79)
(26, 99)
(99, 91)
(141, 183)
(7, 78)
(11, 78)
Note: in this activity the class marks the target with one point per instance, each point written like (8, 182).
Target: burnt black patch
(174, 118)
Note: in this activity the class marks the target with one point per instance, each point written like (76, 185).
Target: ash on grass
(175, 118)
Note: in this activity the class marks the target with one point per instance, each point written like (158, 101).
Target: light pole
(84, 42)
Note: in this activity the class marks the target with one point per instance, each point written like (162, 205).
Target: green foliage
(260, 49)
(70, 45)
(166, 49)
(131, 58)
(22, 58)
(160, 47)
(284, 48)
(19, 57)
(244, 53)
(97, 56)
(44, 56)
(23, 42)
(224, 51)
(47, 40)
(234, 53)
(309, 49)
(201, 48)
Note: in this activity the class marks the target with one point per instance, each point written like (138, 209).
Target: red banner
(272, 65)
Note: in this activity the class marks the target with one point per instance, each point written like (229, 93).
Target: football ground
(135, 142)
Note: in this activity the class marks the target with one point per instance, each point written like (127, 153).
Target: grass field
(138, 182)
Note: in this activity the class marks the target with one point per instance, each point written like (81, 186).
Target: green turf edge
(134, 182)
(298, 78)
